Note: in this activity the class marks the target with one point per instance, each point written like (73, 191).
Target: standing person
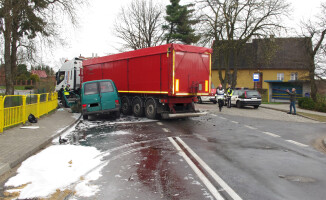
(292, 101)
(66, 91)
(220, 97)
(229, 94)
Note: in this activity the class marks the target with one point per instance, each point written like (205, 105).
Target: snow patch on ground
(119, 133)
(59, 167)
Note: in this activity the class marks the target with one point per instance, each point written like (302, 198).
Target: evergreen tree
(180, 22)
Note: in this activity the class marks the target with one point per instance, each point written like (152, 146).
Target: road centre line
(253, 128)
(271, 134)
(297, 143)
(216, 177)
(160, 123)
(201, 176)
(166, 130)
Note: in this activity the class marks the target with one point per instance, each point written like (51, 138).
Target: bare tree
(139, 25)
(230, 24)
(21, 21)
(316, 30)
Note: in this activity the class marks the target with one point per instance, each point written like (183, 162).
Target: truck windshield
(106, 87)
(90, 88)
(60, 76)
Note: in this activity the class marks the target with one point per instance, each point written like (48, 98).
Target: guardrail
(15, 109)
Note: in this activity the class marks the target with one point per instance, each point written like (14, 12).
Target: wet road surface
(252, 159)
(217, 156)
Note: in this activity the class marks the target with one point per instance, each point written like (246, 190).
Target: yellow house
(284, 66)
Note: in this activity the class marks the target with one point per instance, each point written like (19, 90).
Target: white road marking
(222, 118)
(271, 134)
(235, 122)
(159, 123)
(214, 115)
(217, 178)
(201, 176)
(166, 130)
(297, 143)
(253, 128)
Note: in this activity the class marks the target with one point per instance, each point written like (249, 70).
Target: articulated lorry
(162, 81)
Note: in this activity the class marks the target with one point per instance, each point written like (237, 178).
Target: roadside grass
(313, 116)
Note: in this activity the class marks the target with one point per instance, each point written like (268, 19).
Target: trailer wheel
(150, 109)
(125, 106)
(137, 108)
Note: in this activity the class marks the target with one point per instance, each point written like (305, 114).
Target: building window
(294, 76)
(280, 76)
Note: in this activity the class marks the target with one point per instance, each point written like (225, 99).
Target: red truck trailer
(157, 81)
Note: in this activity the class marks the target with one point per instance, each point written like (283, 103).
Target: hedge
(308, 103)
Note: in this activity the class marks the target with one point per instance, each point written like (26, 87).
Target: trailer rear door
(192, 73)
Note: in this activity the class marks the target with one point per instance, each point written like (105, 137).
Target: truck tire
(150, 109)
(85, 117)
(125, 106)
(137, 108)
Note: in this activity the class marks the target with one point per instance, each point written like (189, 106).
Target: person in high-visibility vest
(66, 91)
(229, 94)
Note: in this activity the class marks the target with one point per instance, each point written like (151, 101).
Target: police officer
(229, 94)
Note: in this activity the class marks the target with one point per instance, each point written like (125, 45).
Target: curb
(277, 109)
(6, 167)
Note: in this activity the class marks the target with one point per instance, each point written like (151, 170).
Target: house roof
(270, 53)
(40, 73)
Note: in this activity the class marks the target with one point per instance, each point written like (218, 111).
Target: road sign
(256, 77)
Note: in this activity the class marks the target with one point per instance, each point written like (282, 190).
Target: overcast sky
(94, 33)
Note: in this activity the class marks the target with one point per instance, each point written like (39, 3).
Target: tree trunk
(313, 87)
(7, 38)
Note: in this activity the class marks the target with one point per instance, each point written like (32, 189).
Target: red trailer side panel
(92, 72)
(144, 75)
(118, 72)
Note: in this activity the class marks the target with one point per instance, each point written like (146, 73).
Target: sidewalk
(286, 108)
(17, 144)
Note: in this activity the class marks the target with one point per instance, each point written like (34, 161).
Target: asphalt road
(247, 158)
(233, 154)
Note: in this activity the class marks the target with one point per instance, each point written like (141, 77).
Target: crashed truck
(156, 82)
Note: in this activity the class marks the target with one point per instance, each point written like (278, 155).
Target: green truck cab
(100, 97)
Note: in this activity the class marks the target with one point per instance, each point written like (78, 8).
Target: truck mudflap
(182, 115)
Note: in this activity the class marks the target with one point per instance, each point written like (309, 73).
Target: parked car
(210, 97)
(100, 97)
(246, 97)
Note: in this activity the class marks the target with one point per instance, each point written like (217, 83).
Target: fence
(15, 109)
